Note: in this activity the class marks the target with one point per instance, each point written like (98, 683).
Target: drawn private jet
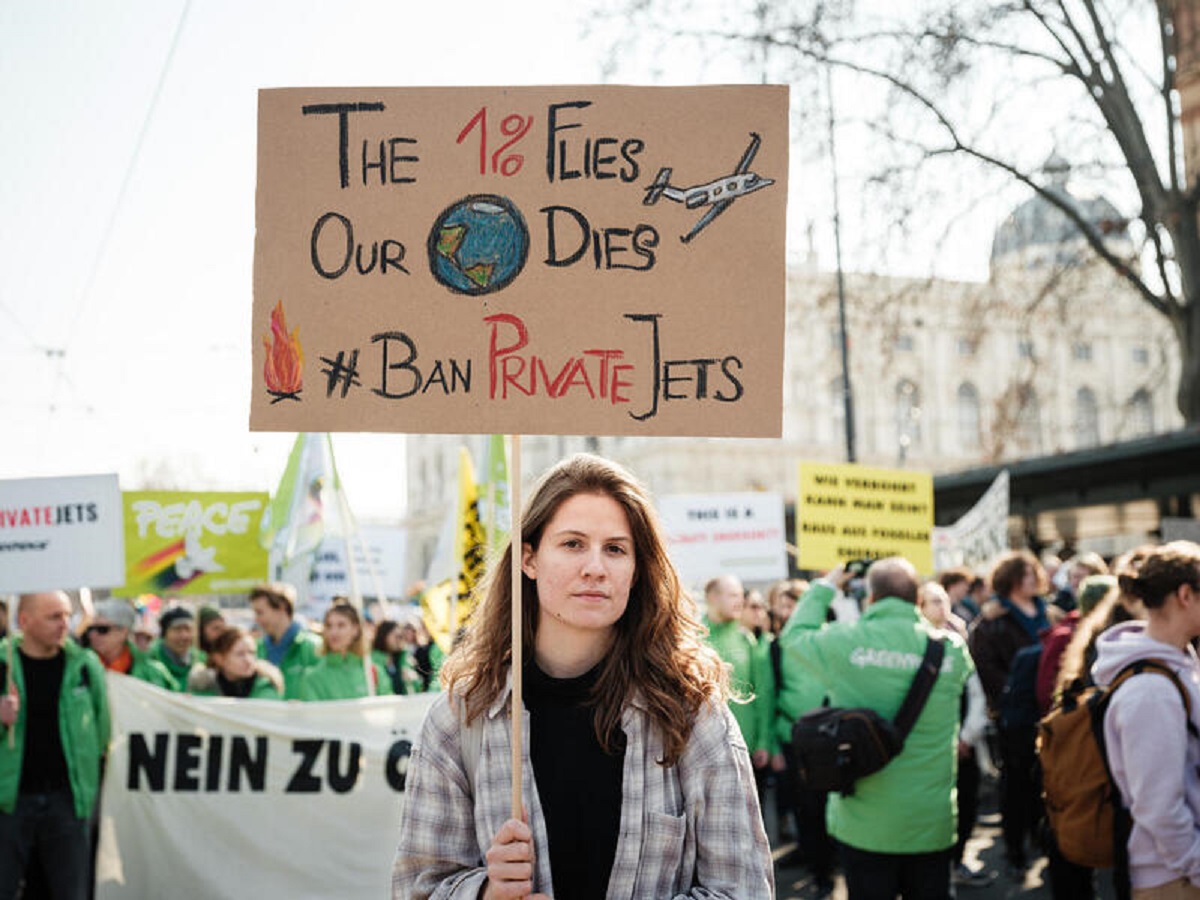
(718, 194)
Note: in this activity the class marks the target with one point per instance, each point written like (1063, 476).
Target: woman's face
(213, 628)
(395, 640)
(340, 632)
(933, 606)
(238, 663)
(583, 567)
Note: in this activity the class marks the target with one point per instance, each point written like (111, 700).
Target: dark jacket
(993, 644)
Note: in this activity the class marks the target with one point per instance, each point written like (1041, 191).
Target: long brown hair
(658, 654)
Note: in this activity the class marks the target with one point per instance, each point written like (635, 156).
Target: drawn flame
(284, 367)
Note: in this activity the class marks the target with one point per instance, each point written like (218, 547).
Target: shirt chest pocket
(662, 856)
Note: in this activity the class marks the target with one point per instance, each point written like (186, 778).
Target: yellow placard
(846, 511)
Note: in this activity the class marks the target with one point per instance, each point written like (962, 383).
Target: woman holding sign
(636, 781)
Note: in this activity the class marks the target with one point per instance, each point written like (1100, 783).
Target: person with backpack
(1152, 729)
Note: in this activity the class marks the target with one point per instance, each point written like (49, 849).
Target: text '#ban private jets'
(718, 194)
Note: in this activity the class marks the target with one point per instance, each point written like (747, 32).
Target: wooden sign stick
(514, 505)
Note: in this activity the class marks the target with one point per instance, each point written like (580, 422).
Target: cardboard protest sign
(846, 511)
(219, 797)
(60, 533)
(718, 534)
(183, 542)
(552, 260)
(980, 535)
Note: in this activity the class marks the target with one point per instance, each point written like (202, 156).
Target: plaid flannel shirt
(690, 831)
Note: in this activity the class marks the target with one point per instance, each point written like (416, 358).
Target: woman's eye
(618, 549)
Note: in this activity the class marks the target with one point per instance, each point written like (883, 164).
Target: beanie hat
(118, 612)
(208, 614)
(1092, 590)
(174, 615)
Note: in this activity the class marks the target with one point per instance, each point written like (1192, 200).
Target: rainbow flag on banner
(192, 542)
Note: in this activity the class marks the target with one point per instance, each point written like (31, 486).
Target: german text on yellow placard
(846, 511)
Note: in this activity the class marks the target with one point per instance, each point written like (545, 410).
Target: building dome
(1038, 233)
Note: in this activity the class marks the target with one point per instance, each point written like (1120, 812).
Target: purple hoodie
(1153, 759)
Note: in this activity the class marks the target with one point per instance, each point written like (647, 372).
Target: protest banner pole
(514, 506)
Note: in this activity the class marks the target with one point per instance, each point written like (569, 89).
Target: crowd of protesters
(54, 716)
(1016, 634)
(1027, 627)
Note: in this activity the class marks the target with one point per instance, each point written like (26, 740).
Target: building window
(1025, 348)
(1081, 351)
(1141, 356)
(968, 416)
(967, 346)
(908, 415)
(1087, 419)
(904, 343)
(1141, 409)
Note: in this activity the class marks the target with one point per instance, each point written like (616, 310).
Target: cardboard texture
(513, 260)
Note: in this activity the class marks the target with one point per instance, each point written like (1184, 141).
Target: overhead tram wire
(105, 237)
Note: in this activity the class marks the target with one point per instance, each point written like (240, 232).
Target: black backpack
(836, 746)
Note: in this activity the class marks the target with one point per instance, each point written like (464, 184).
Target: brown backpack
(1082, 801)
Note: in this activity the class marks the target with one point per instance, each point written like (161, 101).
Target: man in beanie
(109, 636)
(176, 648)
(284, 643)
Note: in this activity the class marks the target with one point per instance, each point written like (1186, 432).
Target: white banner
(980, 535)
(61, 533)
(718, 534)
(221, 798)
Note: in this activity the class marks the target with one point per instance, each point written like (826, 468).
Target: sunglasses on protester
(102, 629)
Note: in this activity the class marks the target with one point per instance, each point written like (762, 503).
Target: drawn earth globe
(478, 245)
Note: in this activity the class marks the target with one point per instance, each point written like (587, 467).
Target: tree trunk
(1187, 328)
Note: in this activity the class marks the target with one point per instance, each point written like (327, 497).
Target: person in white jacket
(1153, 755)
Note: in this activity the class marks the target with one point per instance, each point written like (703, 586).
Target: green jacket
(179, 671)
(341, 676)
(83, 725)
(147, 668)
(300, 656)
(909, 805)
(752, 677)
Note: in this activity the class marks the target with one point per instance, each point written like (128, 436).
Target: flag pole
(514, 505)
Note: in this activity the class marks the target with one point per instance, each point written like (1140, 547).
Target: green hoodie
(909, 805)
(341, 676)
(751, 676)
(83, 726)
(300, 655)
(179, 670)
(146, 668)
